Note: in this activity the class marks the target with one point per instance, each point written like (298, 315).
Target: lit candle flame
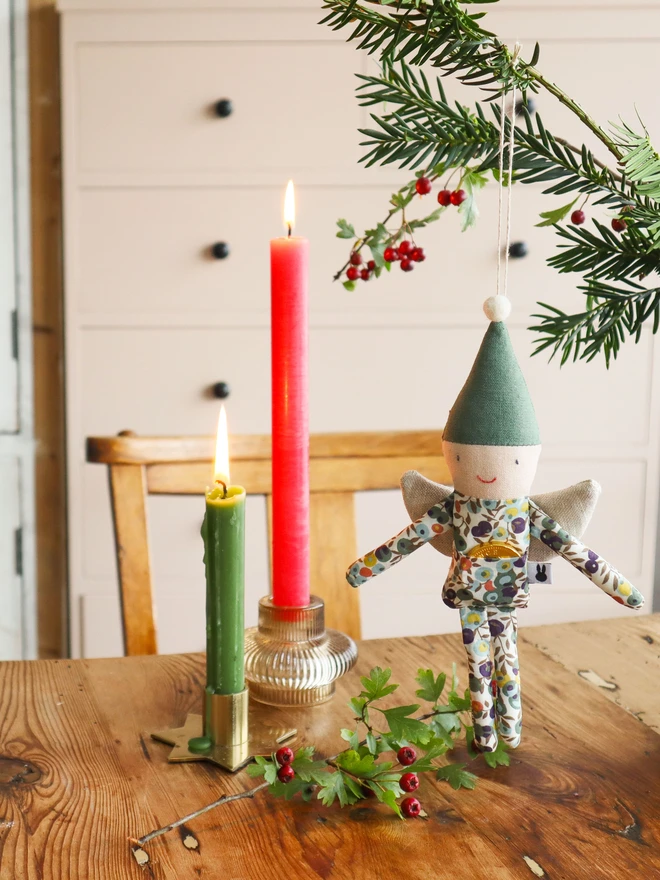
(222, 449)
(289, 207)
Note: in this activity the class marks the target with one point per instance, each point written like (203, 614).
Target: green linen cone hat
(494, 407)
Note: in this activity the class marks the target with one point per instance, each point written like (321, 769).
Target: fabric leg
(476, 638)
(503, 625)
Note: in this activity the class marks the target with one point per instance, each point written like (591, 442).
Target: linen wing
(572, 508)
(419, 495)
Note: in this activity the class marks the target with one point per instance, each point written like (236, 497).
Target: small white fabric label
(539, 572)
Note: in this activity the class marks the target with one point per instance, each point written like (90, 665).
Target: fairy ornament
(490, 526)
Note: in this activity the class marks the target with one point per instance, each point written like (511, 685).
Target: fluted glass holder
(291, 659)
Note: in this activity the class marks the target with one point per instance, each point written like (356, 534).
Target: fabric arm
(585, 560)
(435, 522)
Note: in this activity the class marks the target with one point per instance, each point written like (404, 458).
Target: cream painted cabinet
(153, 177)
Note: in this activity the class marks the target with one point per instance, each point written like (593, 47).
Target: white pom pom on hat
(497, 308)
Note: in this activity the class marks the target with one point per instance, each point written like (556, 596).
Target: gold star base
(229, 718)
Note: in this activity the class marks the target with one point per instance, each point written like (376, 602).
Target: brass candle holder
(232, 732)
(291, 659)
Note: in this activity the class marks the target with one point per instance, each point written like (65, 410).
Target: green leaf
(258, 768)
(472, 181)
(289, 790)
(404, 728)
(345, 230)
(459, 704)
(431, 688)
(357, 704)
(306, 769)
(363, 766)
(457, 776)
(387, 797)
(376, 685)
(550, 218)
(498, 755)
(372, 743)
(351, 737)
(333, 787)
(349, 285)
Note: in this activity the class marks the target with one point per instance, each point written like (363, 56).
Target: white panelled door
(17, 589)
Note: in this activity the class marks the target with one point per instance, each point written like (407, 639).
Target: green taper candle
(223, 531)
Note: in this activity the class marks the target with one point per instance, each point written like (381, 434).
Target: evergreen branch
(439, 32)
(612, 315)
(605, 255)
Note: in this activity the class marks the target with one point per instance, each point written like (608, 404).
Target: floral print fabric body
(585, 560)
(480, 626)
(489, 564)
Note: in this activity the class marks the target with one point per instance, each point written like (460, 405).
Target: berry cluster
(410, 806)
(407, 253)
(284, 757)
(618, 223)
(354, 272)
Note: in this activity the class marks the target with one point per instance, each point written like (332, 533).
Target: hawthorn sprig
(375, 762)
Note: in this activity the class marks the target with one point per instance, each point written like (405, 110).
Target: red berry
(578, 218)
(355, 258)
(406, 756)
(444, 197)
(368, 792)
(404, 248)
(417, 255)
(371, 265)
(618, 225)
(352, 273)
(423, 186)
(458, 196)
(286, 773)
(493, 689)
(284, 755)
(411, 807)
(409, 782)
(365, 274)
(389, 255)
(407, 265)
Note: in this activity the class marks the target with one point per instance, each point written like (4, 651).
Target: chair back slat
(340, 466)
(128, 492)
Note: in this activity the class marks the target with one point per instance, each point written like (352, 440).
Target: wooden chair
(340, 466)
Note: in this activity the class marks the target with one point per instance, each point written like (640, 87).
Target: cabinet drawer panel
(150, 107)
(146, 252)
(157, 381)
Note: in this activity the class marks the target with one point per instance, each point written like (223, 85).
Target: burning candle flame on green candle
(223, 531)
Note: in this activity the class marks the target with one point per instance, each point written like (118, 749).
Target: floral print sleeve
(585, 560)
(434, 522)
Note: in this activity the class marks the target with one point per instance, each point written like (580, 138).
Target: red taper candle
(289, 262)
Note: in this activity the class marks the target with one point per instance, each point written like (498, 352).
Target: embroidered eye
(517, 462)
(458, 458)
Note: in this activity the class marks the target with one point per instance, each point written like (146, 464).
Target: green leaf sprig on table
(369, 767)
(456, 146)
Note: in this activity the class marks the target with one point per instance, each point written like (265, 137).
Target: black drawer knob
(530, 104)
(221, 390)
(518, 249)
(220, 250)
(224, 108)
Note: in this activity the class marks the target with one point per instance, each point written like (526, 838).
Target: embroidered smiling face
(491, 471)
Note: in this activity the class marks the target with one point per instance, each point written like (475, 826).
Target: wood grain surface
(79, 775)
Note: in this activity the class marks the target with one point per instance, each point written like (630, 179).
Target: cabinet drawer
(366, 378)
(151, 107)
(145, 255)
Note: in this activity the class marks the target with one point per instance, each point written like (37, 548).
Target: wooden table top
(79, 774)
